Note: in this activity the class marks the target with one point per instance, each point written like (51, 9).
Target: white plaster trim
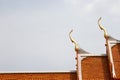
(79, 67)
(111, 42)
(71, 71)
(114, 42)
(111, 59)
(86, 55)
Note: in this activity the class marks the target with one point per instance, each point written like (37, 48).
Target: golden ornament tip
(73, 41)
(102, 28)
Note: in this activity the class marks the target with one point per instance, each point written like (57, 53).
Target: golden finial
(102, 28)
(73, 41)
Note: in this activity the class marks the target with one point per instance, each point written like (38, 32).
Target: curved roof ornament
(73, 41)
(102, 28)
(108, 49)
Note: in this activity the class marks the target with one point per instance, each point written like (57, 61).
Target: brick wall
(39, 76)
(95, 68)
(116, 59)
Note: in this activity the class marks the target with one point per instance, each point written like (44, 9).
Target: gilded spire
(73, 41)
(102, 28)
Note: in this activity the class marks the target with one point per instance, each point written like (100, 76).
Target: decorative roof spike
(73, 41)
(102, 28)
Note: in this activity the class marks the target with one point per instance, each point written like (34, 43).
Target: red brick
(39, 76)
(116, 59)
(95, 68)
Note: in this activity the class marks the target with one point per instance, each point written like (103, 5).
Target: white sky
(34, 33)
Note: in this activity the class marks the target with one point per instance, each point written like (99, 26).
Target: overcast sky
(34, 33)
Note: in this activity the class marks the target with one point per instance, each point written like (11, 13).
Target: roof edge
(33, 72)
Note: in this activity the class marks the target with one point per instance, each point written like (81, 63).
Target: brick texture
(116, 59)
(39, 76)
(95, 68)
